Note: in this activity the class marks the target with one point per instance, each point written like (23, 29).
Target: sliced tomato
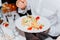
(30, 28)
(37, 18)
(40, 26)
(6, 25)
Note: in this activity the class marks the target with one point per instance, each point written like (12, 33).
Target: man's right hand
(21, 4)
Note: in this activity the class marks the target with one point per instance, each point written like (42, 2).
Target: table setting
(10, 22)
(7, 26)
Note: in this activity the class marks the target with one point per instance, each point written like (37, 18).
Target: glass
(9, 12)
(12, 28)
(1, 16)
(2, 32)
(12, 32)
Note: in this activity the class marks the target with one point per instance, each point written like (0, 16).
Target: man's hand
(21, 4)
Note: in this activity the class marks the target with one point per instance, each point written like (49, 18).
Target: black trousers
(36, 36)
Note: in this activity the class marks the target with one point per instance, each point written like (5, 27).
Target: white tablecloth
(9, 30)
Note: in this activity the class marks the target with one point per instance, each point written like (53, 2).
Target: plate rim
(30, 31)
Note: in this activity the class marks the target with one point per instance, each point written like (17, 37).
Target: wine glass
(1, 31)
(8, 12)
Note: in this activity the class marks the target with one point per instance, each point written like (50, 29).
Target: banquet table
(12, 30)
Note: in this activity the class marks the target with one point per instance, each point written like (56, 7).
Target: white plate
(43, 20)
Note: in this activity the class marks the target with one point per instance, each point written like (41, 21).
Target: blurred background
(9, 1)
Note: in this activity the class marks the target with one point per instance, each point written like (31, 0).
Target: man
(36, 7)
(29, 4)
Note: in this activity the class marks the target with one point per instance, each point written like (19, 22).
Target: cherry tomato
(37, 18)
(6, 25)
(40, 26)
(30, 28)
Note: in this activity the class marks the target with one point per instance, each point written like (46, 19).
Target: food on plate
(5, 24)
(26, 21)
(30, 28)
(41, 26)
(8, 7)
(32, 22)
(37, 18)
